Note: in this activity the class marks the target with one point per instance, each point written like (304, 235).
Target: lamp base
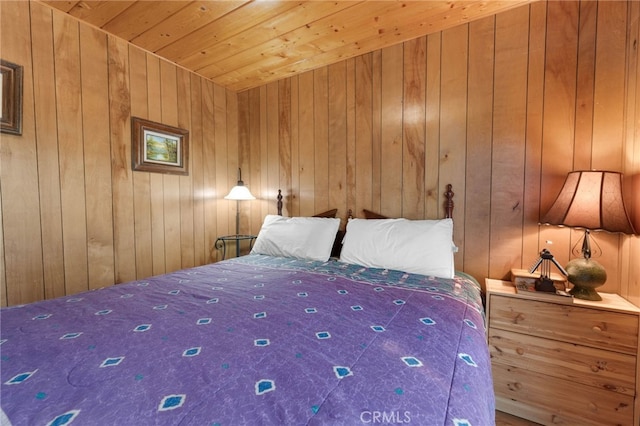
(586, 275)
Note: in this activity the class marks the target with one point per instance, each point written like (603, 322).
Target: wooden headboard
(448, 204)
(279, 202)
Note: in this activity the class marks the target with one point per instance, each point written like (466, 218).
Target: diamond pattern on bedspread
(254, 340)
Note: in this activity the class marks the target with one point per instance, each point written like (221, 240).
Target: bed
(255, 340)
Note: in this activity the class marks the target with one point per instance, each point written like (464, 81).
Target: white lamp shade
(239, 192)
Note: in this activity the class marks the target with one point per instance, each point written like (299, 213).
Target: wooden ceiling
(244, 44)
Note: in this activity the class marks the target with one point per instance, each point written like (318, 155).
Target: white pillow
(418, 246)
(300, 237)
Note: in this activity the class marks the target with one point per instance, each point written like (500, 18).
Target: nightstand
(221, 243)
(564, 363)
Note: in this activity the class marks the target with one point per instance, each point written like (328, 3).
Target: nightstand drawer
(566, 322)
(549, 400)
(607, 370)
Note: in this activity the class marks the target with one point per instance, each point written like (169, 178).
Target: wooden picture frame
(11, 95)
(159, 148)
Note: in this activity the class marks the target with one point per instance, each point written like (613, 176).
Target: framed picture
(159, 148)
(11, 95)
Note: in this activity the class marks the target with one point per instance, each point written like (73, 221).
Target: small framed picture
(159, 148)
(11, 95)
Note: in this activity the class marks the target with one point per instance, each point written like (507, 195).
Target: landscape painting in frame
(11, 96)
(159, 148)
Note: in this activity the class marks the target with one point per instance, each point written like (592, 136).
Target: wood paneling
(630, 247)
(97, 154)
(413, 144)
(22, 239)
(479, 132)
(244, 44)
(69, 108)
(74, 215)
(306, 154)
(121, 175)
(47, 145)
(534, 136)
(508, 141)
(391, 129)
(502, 108)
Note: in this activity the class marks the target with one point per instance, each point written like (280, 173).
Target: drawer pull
(599, 365)
(518, 318)
(515, 386)
(597, 329)
(622, 407)
(520, 351)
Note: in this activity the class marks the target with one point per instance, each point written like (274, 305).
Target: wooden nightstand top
(610, 301)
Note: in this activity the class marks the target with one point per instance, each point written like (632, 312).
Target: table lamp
(591, 200)
(239, 193)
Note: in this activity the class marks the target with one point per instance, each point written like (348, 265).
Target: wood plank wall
(74, 215)
(502, 108)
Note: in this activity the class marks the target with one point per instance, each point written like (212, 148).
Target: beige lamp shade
(591, 200)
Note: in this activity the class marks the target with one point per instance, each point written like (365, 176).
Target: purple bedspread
(250, 341)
